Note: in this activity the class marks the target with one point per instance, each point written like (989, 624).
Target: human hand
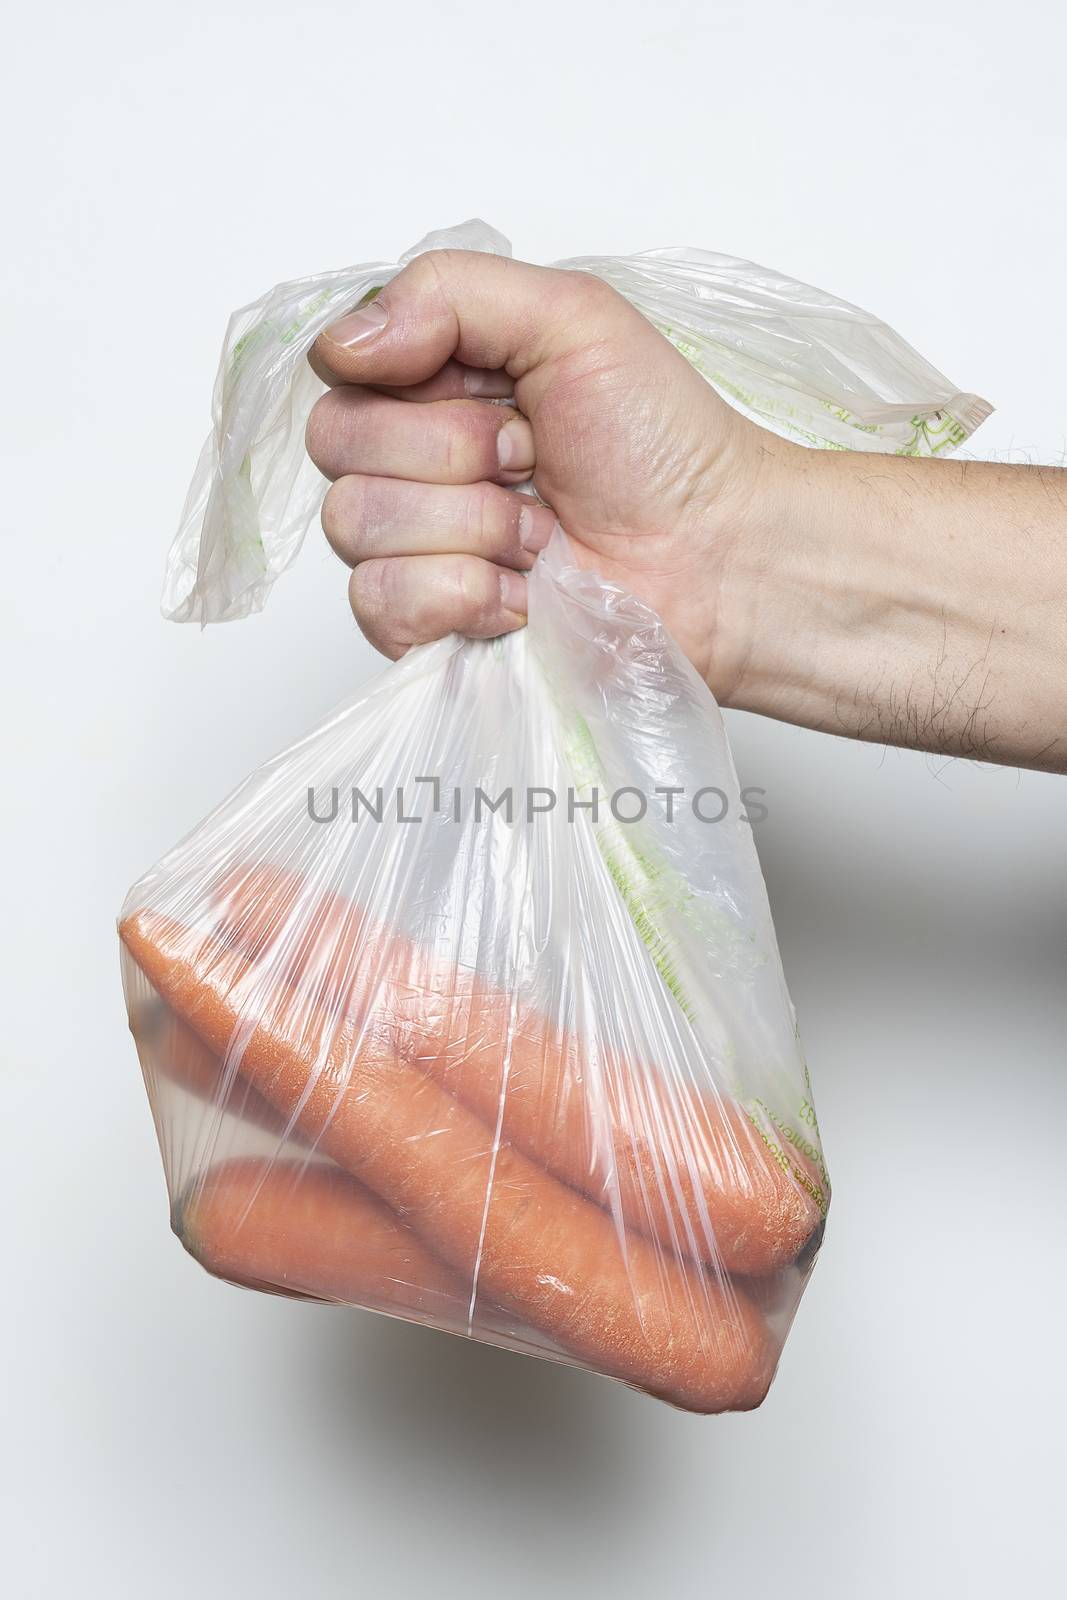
(470, 373)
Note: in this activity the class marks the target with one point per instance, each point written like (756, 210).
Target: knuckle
(371, 590)
(375, 591)
(323, 426)
(465, 441)
(432, 271)
(331, 515)
(477, 593)
(343, 515)
(590, 292)
(483, 518)
(440, 264)
(493, 520)
(436, 260)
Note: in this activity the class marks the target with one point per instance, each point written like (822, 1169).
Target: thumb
(486, 311)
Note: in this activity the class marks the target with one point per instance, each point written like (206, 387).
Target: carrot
(339, 1246)
(312, 1231)
(535, 1247)
(686, 1168)
(168, 1045)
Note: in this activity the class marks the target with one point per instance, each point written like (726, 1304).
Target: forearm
(910, 602)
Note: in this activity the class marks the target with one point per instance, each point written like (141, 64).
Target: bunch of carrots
(450, 1157)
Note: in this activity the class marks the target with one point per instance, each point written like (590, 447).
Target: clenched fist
(469, 374)
(904, 601)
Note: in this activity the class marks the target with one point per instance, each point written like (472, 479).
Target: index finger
(481, 310)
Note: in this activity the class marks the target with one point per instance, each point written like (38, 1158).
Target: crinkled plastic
(468, 1008)
(790, 356)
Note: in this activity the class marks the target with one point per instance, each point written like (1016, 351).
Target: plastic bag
(468, 1008)
(792, 357)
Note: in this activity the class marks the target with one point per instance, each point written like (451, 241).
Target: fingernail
(358, 325)
(514, 445)
(513, 592)
(536, 525)
(486, 384)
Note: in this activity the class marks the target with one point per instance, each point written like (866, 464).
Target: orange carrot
(338, 1239)
(168, 1045)
(686, 1168)
(534, 1246)
(312, 1229)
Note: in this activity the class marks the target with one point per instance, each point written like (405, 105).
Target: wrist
(828, 588)
(762, 509)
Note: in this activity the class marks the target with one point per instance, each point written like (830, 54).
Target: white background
(166, 1435)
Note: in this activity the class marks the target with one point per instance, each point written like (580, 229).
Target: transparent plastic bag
(792, 357)
(468, 1008)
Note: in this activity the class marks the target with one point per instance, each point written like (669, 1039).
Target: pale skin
(910, 602)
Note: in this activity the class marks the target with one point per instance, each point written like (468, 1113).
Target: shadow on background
(439, 1405)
